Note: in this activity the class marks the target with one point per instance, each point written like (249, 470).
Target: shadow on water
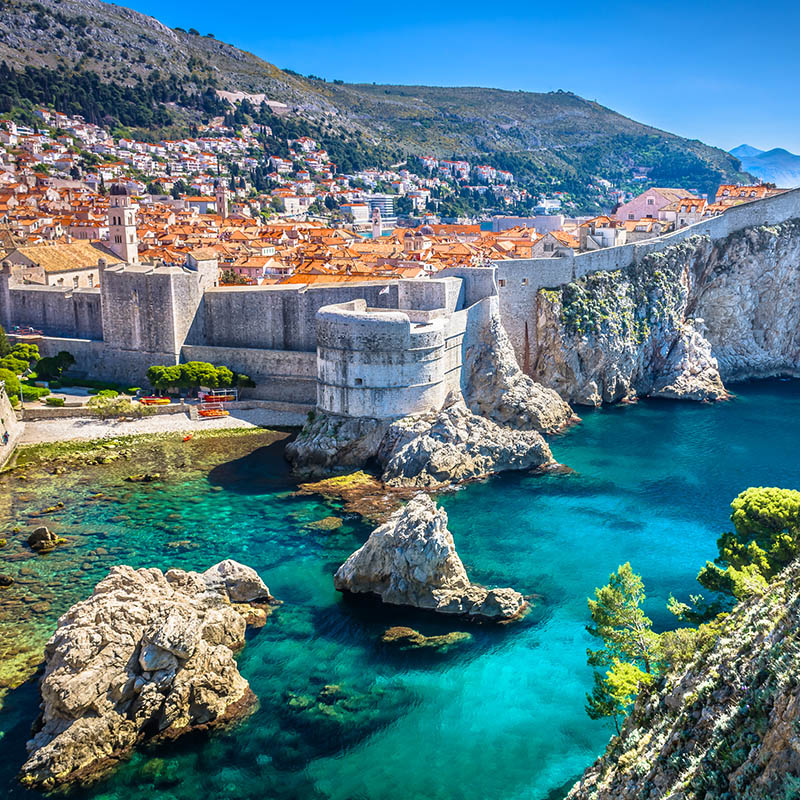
(263, 471)
(20, 710)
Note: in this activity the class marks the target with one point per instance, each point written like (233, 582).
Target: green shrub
(26, 352)
(54, 366)
(133, 390)
(33, 393)
(54, 384)
(106, 393)
(55, 401)
(16, 365)
(119, 407)
(11, 381)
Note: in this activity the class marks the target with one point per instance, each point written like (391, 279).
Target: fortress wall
(94, 359)
(8, 424)
(520, 280)
(141, 306)
(478, 282)
(281, 375)
(56, 310)
(378, 365)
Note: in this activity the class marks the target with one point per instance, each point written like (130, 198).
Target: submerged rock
(411, 560)
(5, 581)
(43, 540)
(148, 656)
(408, 638)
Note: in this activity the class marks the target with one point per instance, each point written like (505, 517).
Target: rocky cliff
(434, 449)
(677, 323)
(411, 560)
(149, 655)
(722, 726)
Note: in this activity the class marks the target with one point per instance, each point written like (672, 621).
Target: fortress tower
(377, 223)
(122, 236)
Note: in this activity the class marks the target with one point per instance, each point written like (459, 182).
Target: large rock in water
(411, 560)
(455, 445)
(721, 725)
(149, 655)
(427, 450)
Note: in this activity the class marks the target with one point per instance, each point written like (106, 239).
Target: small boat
(155, 401)
(213, 412)
(186, 438)
(218, 398)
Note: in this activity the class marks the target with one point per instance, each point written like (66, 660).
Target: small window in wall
(630, 216)
(501, 283)
(91, 281)
(524, 281)
(75, 281)
(651, 201)
(359, 382)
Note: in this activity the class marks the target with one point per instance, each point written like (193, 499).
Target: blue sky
(723, 72)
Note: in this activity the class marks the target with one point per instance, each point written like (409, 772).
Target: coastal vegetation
(765, 541)
(194, 374)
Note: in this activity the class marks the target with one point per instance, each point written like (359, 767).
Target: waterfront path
(60, 430)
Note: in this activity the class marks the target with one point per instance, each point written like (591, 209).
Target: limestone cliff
(497, 389)
(723, 726)
(148, 655)
(411, 560)
(677, 323)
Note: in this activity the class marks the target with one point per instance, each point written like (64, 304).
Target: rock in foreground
(148, 656)
(411, 560)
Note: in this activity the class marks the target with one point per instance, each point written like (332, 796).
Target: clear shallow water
(500, 716)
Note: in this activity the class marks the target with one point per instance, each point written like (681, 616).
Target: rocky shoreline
(148, 656)
(677, 324)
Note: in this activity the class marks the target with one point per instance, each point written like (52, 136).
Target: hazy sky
(723, 72)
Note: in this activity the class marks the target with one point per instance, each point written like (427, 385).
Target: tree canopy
(193, 375)
(766, 537)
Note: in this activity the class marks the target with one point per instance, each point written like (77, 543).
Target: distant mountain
(746, 151)
(149, 76)
(776, 166)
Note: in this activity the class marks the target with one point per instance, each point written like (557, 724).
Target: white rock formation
(411, 560)
(455, 445)
(496, 388)
(148, 655)
(677, 323)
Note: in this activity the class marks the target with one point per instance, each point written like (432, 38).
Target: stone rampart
(9, 424)
(519, 280)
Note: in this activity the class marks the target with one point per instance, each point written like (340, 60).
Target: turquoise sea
(500, 716)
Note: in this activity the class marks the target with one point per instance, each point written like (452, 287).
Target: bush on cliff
(766, 538)
(26, 352)
(16, 365)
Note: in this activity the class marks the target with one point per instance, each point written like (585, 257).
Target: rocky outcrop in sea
(426, 450)
(722, 726)
(677, 323)
(411, 560)
(148, 656)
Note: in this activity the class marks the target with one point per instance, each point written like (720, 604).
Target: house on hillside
(649, 203)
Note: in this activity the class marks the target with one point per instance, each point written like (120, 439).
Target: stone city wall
(9, 424)
(519, 280)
